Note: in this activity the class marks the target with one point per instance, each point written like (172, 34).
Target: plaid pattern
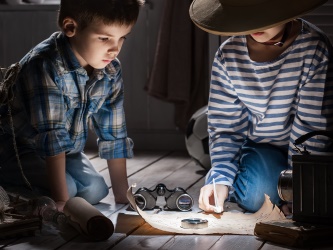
(55, 99)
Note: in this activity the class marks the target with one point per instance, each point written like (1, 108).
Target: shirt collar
(67, 61)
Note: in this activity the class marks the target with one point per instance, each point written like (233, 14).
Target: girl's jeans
(81, 177)
(259, 170)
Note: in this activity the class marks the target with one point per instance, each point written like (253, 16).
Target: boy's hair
(108, 11)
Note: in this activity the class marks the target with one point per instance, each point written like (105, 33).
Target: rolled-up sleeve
(109, 122)
(121, 148)
(53, 142)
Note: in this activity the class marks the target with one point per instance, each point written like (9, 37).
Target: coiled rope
(8, 76)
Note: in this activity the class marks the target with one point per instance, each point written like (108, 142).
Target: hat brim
(227, 20)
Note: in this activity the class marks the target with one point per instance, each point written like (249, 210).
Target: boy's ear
(69, 26)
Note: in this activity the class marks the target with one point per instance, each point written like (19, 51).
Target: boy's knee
(95, 192)
(71, 186)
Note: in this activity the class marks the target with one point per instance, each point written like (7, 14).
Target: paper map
(225, 223)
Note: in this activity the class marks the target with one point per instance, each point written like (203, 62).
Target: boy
(64, 81)
(271, 83)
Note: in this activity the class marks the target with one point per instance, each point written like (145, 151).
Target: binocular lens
(140, 201)
(285, 185)
(184, 202)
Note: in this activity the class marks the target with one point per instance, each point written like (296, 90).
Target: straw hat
(237, 17)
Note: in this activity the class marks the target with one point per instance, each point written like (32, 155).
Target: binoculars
(176, 199)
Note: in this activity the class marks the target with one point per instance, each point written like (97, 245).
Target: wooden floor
(146, 169)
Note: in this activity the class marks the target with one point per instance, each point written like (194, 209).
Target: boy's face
(98, 44)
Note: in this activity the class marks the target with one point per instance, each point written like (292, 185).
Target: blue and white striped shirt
(268, 102)
(55, 99)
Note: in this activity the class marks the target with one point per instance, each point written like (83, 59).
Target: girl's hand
(206, 198)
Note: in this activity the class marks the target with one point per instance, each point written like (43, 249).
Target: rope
(4, 204)
(8, 77)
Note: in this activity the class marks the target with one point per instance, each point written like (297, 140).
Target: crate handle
(305, 137)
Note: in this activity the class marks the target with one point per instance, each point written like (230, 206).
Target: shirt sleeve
(44, 105)
(227, 126)
(315, 104)
(110, 126)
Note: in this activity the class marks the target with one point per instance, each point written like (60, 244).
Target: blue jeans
(259, 170)
(81, 177)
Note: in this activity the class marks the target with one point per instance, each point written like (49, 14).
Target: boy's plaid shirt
(55, 99)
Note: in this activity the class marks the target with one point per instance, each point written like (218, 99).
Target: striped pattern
(272, 102)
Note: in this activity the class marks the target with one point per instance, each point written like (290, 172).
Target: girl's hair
(108, 11)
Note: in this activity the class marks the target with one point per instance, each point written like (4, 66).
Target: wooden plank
(140, 160)
(199, 242)
(193, 242)
(40, 242)
(143, 159)
(147, 229)
(5, 242)
(235, 242)
(160, 170)
(91, 153)
(184, 177)
(82, 243)
(138, 242)
(108, 205)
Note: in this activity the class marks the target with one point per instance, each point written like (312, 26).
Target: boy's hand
(206, 198)
(120, 191)
(120, 198)
(60, 205)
